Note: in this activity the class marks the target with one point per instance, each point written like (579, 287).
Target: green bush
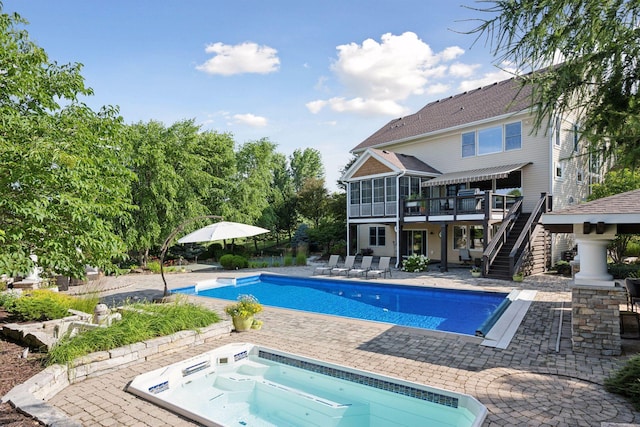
(148, 321)
(562, 267)
(301, 259)
(154, 266)
(633, 248)
(622, 271)
(233, 262)
(44, 304)
(415, 263)
(288, 261)
(626, 382)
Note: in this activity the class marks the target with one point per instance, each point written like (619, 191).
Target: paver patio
(529, 383)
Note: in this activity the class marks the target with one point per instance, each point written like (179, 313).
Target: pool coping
(505, 328)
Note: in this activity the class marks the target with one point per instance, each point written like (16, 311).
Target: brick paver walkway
(529, 383)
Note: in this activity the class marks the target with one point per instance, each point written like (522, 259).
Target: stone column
(595, 324)
(595, 298)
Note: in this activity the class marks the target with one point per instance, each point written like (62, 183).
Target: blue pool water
(446, 310)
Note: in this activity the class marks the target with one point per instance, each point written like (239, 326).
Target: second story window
(513, 136)
(391, 189)
(366, 191)
(490, 140)
(469, 144)
(378, 190)
(354, 193)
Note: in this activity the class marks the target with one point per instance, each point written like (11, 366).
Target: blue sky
(323, 74)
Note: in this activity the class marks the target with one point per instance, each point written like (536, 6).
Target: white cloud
(437, 89)
(463, 70)
(250, 120)
(367, 107)
(487, 79)
(241, 58)
(316, 106)
(378, 76)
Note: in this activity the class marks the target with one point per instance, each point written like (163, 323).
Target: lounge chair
(365, 266)
(348, 265)
(465, 256)
(383, 268)
(333, 263)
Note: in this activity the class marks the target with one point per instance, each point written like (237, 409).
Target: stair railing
(522, 246)
(499, 239)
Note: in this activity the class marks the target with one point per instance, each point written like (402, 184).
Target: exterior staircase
(500, 269)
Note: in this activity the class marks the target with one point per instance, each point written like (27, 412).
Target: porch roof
(483, 174)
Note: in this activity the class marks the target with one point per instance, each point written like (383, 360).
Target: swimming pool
(449, 310)
(242, 384)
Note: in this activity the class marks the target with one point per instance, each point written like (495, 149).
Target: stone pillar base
(595, 323)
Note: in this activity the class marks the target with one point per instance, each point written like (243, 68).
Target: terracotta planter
(242, 324)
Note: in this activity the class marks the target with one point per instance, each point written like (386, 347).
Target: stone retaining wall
(595, 325)
(31, 396)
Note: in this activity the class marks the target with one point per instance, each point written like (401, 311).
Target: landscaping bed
(15, 370)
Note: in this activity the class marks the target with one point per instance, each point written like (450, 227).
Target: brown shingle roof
(623, 203)
(500, 98)
(405, 162)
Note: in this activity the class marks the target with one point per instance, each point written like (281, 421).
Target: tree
(596, 45)
(284, 203)
(63, 174)
(252, 186)
(305, 165)
(312, 200)
(173, 181)
(616, 182)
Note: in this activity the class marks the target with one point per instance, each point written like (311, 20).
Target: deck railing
(485, 204)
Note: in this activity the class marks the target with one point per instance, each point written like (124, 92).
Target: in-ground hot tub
(248, 385)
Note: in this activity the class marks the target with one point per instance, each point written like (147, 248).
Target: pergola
(596, 298)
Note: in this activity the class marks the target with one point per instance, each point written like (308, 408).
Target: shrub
(301, 259)
(622, 271)
(626, 381)
(149, 321)
(153, 266)
(288, 261)
(415, 263)
(240, 262)
(233, 262)
(44, 304)
(562, 267)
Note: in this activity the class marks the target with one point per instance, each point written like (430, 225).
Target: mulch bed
(14, 370)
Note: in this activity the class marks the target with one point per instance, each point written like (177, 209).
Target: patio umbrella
(221, 231)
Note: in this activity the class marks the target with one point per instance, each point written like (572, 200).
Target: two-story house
(468, 172)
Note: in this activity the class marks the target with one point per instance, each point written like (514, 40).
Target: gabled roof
(375, 162)
(498, 99)
(621, 209)
(625, 204)
(405, 162)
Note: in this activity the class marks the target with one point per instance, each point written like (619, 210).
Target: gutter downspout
(403, 173)
(348, 186)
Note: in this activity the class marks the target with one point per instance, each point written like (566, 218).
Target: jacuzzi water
(243, 384)
(449, 310)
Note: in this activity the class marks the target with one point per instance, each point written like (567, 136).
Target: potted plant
(476, 272)
(518, 277)
(242, 312)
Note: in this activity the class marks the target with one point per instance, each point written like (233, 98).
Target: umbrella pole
(168, 241)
